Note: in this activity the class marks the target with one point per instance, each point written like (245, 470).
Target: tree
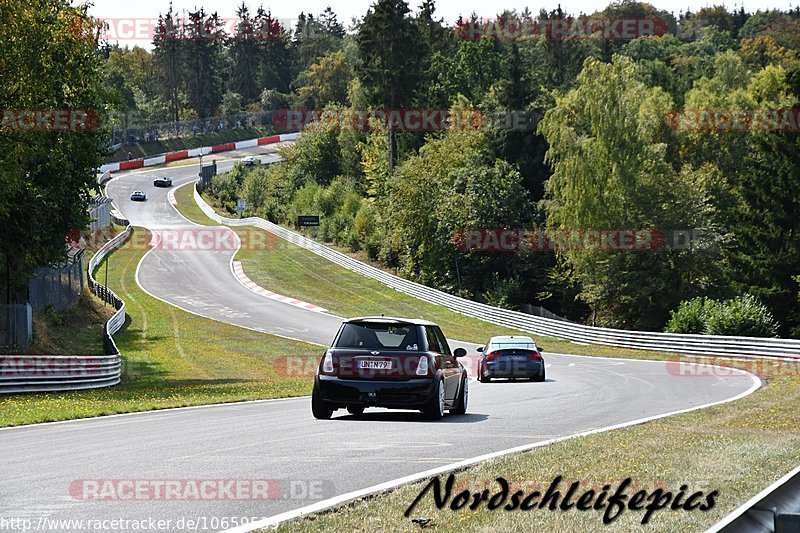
(316, 37)
(274, 55)
(608, 150)
(558, 61)
(47, 173)
(766, 258)
(128, 70)
(326, 81)
(315, 157)
(244, 56)
(453, 185)
(470, 71)
(763, 50)
(231, 103)
(389, 46)
(204, 37)
(437, 39)
(168, 59)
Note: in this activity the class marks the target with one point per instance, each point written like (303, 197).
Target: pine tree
(390, 48)
(167, 51)
(204, 37)
(244, 54)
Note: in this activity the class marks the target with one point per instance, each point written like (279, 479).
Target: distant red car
(397, 363)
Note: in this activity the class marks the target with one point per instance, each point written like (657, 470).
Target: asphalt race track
(279, 440)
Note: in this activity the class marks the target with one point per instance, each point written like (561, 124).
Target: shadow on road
(409, 416)
(518, 380)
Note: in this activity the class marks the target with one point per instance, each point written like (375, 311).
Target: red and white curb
(238, 271)
(195, 152)
(171, 198)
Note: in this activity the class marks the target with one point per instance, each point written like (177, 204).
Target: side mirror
(479, 348)
(459, 352)
(540, 348)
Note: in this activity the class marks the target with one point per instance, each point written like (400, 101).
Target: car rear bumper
(394, 394)
(513, 368)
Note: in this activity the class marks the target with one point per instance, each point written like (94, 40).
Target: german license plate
(517, 357)
(375, 365)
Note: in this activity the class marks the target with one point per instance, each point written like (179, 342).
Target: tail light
(534, 355)
(422, 366)
(492, 355)
(327, 363)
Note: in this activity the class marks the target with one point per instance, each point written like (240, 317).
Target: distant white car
(138, 196)
(162, 181)
(250, 161)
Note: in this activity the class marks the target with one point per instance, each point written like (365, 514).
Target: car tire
(355, 411)
(539, 378)
(463, 399)
(482, 378)
(319, 408)
(434, 410)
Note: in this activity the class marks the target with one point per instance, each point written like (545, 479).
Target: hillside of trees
(52, 98)
(686, 133)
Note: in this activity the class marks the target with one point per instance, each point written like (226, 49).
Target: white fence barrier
(42, 373)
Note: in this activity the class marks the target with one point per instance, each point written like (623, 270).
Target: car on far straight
(397, 363)
(250, 161)
(138, 196)
(510, 356)
(162, 181)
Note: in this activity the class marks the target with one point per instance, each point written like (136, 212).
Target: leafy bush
(254, 189)
(691, 316)
(225, 188)
(743, 316)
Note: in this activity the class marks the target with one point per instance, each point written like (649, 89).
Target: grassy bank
(171, 359)
(77, 330)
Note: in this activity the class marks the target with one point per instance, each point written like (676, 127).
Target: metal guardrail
(729, 346)
(43, 373)
(774, 510)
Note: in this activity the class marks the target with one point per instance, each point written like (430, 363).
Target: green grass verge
(171, 359)
(737, 448)
(287, 269)
(147, 149)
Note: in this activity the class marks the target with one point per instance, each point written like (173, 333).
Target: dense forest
(686, 139)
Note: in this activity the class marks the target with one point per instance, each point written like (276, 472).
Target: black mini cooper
(397, 363)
